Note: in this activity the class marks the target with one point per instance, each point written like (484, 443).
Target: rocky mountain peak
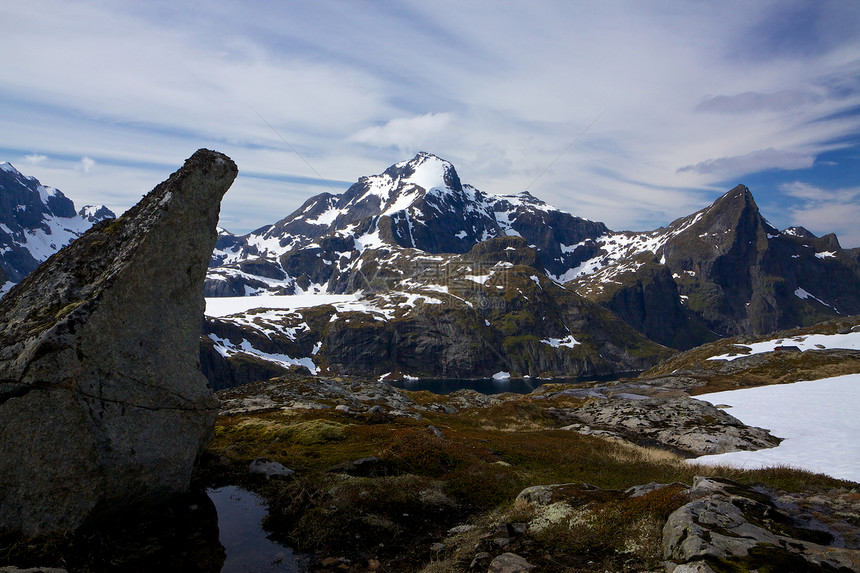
(799, 232)
(96, 213)
(427, 171)
(35, 222)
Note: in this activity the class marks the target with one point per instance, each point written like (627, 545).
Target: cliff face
(102, 403)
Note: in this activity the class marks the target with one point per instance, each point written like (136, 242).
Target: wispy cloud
(752, 162)
(749, 102)
(827, 210)
(86, 164)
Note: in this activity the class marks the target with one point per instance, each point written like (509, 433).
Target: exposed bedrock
(102, 403)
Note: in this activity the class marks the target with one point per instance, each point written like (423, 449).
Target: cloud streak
(761, 160)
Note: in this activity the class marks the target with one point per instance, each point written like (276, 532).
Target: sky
(631, 113)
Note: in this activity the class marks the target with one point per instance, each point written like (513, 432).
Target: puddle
(240, 513)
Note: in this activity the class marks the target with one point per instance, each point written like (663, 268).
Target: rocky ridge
(830, 348)
(722, 271)
(102, 404)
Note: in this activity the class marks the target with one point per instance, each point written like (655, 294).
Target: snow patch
(217, 307)
(849, 341)
(821, 440)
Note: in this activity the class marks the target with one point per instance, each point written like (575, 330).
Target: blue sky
(660, 106)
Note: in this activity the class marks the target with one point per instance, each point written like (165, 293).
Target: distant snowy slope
(35, 222)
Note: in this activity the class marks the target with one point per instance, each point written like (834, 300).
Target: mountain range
(448, 280)
(722, 271)
(35, 222)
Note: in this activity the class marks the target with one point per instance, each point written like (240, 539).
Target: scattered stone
(435, 431)
(479, 559)
(694, 567)
(538, 495)
(640, 490)
(437, 547)
(509, 563)
(458, 529)
(362, 467)
(342, 408)
(269, 468)
(102, 402)
(32, 570)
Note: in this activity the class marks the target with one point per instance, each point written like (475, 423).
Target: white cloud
(827, 210)
(749, 102)
(35, 159)
(86, 164)
(405, 133)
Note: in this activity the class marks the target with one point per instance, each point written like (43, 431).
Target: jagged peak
(799, 232)
(95, 213)
(740, 194)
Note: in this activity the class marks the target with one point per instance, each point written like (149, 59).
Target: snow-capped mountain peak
(420, 203)
(36, 222)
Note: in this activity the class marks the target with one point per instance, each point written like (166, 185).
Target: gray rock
(689, 426)
(640, 490)
(269, 468)
(458, 529)
(694, 567)
(726, 521)
(102, 403)
(509, 563)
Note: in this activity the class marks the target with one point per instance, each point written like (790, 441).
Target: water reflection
(240, 513)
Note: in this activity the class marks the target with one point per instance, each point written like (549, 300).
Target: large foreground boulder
(102, 403)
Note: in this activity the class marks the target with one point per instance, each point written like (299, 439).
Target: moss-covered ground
(392, 511)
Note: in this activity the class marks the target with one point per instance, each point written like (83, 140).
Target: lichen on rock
(102, 403)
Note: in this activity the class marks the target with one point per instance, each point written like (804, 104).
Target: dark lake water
(240, 513)
(493, 386)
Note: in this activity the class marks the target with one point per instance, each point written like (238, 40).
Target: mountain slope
(733, 272)
(420, 204)
(35, 222)
(478, 314)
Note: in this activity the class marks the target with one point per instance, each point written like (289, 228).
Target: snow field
(818, 420)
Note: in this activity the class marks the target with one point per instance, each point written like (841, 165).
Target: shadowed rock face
(102, 403)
